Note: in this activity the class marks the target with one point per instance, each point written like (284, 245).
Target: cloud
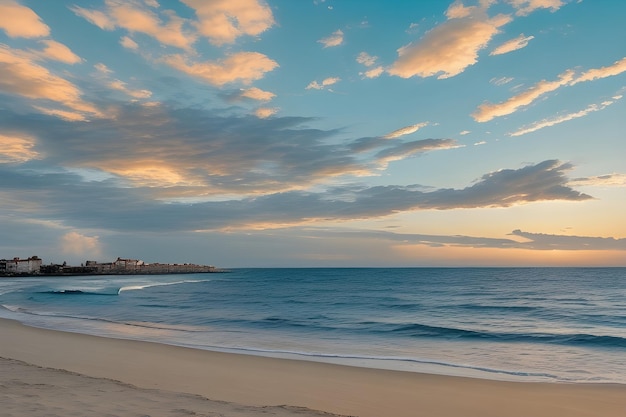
(255, 93)
(598, 73)
(17, 148)
(102, 68)
(105, 205)
(464, 132)
(373, 73)
(482, 142)
(366, 59)
(369, 61)
(128, 43)
(325, 83)
(607, 180)
(23, 77)
(512, 45)
(525, 7)
(501, 80)
(405, 130)
(59, 52)
(121, 86)
(335, 39)
(74, 243)
(134, 17)
(265, 112)
(541, 241)
(224, 21)
(487, 111)
(448, 49)
(560, 119)
(532, 241)
(19, 21)
(96, 17)
(195, 153)
(244, 67)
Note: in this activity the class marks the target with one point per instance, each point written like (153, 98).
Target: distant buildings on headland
(34, 266)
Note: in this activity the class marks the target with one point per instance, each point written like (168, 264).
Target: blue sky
(314, 133)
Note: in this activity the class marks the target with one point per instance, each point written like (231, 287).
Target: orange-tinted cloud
(597, 73)
(257, 94)
(59, 52)
(223, 21)
(24, 77)
(20, 21)
(134, 17)
(525, 7)
(450, 48)
(244, 67)
(488, 111)
(335, 39)
(17, 148)
(512, 45)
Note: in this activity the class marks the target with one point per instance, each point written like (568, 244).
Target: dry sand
(51, 373)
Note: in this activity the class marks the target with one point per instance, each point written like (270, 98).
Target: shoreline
(256, 381)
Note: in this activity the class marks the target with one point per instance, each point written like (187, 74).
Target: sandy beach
(54, 373)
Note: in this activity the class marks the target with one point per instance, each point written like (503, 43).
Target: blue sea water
(526, 324)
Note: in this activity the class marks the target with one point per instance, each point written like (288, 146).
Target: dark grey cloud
(66, 197)
(207, 152)
(543, 241)
(533, 241)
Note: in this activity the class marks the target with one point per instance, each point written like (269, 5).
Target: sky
(339, 133)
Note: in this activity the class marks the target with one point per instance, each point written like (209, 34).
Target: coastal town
(34, 266)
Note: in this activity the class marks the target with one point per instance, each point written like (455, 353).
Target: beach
(60, 373)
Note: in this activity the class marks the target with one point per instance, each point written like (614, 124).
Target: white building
(20, 266)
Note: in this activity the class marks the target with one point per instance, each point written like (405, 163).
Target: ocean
(519, 324)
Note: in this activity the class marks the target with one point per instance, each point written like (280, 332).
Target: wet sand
(54, 373)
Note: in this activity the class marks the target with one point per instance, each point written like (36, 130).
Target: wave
(160, 284)
(418, 361)
(111, 290)
(576, 339)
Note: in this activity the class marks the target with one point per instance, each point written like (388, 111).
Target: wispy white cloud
(322, 85)
(512, 45)
(464, 132)
(501, 80)
(407, 130)
(482, 142)
(560, 119)
(19, 21)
